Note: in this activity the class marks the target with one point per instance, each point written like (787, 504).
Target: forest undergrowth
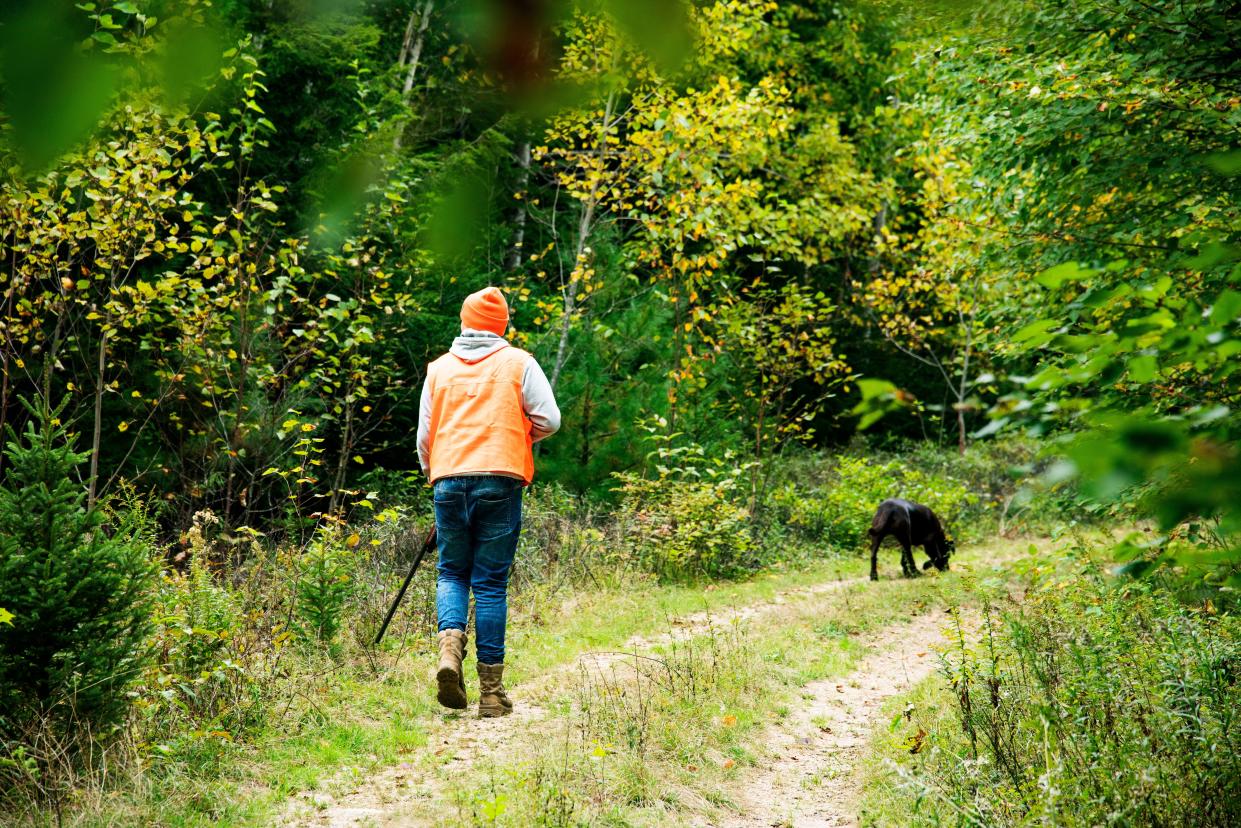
(775, 259)
(260, 675)
(262, 684)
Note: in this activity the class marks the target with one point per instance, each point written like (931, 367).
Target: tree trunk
(407, 42)
(342, 464)
(880, 221)
(963, 387)
(413, 49)
(585, 456)
(9, 351)
(519, 217)
(584, 227)
(415, 54)
(961, 428)
(678, 341)
(243, 370)
(97, 431)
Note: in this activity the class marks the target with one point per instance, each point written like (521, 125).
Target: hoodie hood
(475, 346)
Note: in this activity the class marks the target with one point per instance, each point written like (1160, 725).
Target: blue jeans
(478, 519)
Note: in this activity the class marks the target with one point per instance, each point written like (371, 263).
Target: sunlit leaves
(192, 322)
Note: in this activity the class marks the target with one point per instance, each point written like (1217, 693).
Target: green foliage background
(1002, 239)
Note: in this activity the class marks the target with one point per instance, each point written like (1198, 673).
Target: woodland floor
(804, 754)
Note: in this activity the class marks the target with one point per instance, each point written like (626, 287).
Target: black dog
(913, 525)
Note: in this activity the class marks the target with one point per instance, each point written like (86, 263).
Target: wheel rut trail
(411, 792)
(809, 781)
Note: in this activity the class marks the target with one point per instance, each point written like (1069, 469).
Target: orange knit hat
(485, 310)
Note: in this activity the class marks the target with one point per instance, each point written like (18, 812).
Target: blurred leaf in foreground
(55, 87)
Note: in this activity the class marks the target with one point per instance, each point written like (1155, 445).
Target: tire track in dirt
(401, 794)
(810, 779)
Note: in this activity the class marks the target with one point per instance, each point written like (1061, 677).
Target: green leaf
(1038, 333)
(1143, 368)
(6, 617)
(878, 398)
(1225, 163)
(1227, 308)
(872, 388)
(990, 428)
(1056, 276)
(55, 91)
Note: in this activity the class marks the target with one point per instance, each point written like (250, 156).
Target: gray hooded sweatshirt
(536, 392)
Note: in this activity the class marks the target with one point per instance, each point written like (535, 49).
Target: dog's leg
(874, 557)
(908, 567)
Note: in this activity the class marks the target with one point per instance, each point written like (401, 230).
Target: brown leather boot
(450, 676)
(492, 700)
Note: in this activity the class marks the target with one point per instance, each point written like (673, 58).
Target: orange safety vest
(478, 422)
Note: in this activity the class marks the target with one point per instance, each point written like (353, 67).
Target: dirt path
(810, 780)
(408, 792)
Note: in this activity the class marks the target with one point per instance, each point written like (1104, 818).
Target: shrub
(197, 614)
(325, 583)
(1092, 705)
(200, 687)
(837, 508)
(80, 592)
(565, 541)
(193, 701)
(681, 528)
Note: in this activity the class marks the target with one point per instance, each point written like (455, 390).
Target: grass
(1083, 700)
(353, 716)
(612, 759)
(664, 739)
(885, 803)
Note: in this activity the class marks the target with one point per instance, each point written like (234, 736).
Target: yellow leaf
(123, 426)
(352, 540)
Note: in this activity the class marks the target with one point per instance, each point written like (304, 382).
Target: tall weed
(1089, 704)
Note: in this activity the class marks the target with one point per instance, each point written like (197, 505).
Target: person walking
(484, 404)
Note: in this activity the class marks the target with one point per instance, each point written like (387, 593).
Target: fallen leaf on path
(729, 763)
(729, 721)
